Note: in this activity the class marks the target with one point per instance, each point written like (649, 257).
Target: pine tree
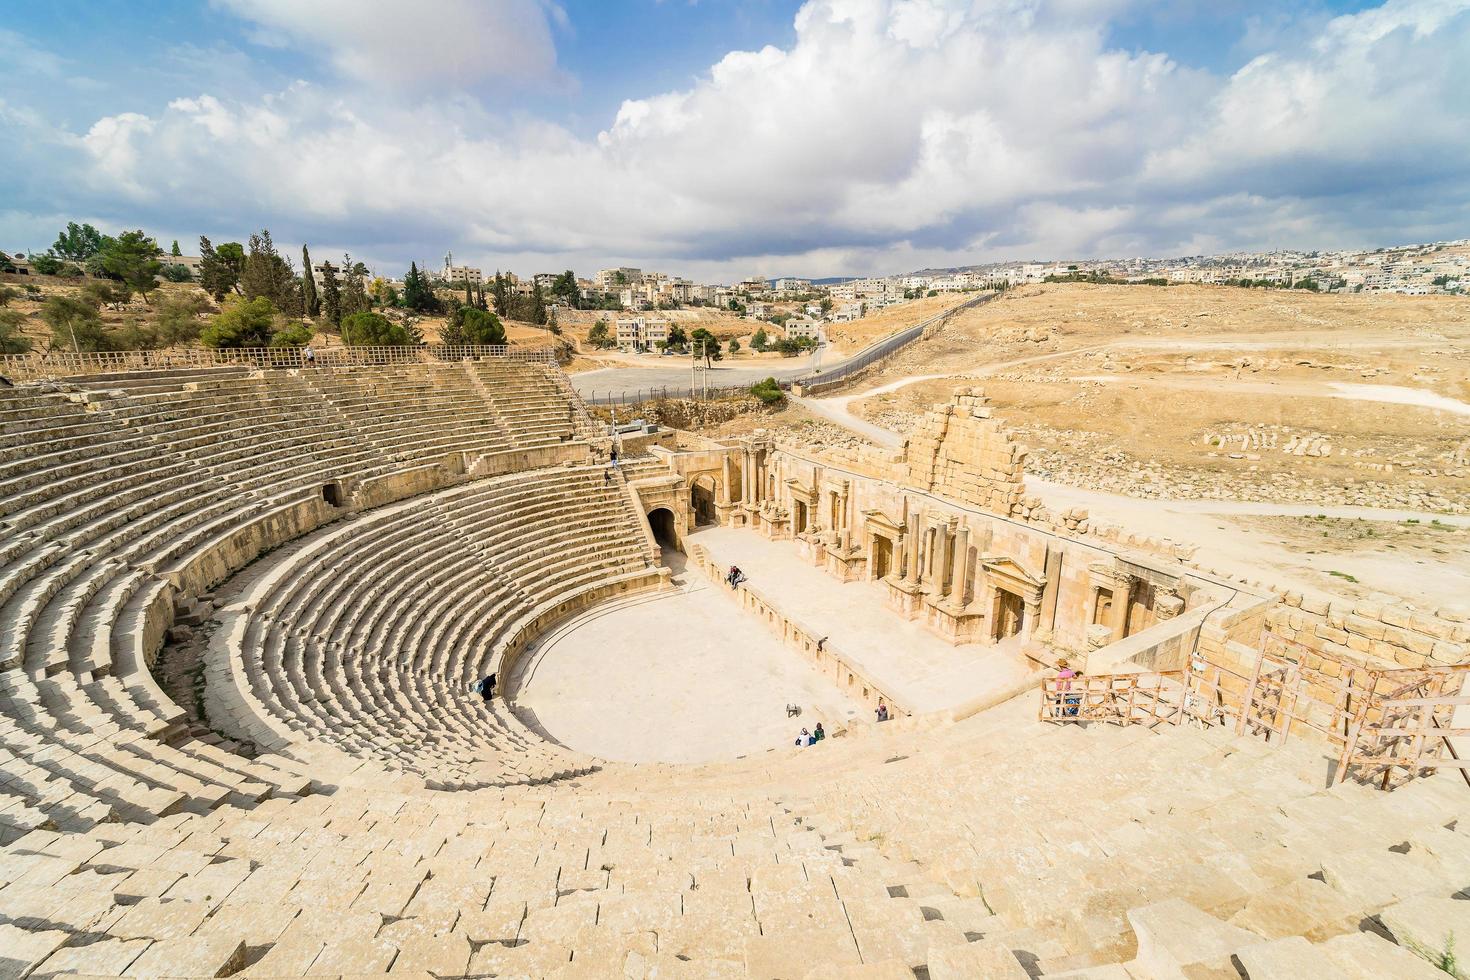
(480, 298)
(469, 297)
(175, 250)
(538, 305)
(308, 286)
(331, 295)
(354, 288)
(500, 292)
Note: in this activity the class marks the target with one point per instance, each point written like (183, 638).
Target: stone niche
(961, 451)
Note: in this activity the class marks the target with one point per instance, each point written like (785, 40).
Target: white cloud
(890, 134)
(420, 45)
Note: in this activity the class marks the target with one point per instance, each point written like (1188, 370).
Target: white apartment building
(462, 273)
(798, 328)
(847, 312)
(792, 285)
(611, 280)
(641, 334)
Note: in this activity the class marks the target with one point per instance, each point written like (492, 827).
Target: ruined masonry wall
(962, 452)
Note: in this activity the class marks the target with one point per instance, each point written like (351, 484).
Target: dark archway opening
(332, 494)
(661, 520)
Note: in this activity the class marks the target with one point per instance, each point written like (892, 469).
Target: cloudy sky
(722, 138)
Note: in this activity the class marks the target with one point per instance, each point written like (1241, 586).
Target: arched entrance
(702, 501)
(661, 520)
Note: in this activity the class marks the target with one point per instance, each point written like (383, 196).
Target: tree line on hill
(262, 300)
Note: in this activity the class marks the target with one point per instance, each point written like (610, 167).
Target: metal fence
(61, 364)
(638, 396)
(886, 347)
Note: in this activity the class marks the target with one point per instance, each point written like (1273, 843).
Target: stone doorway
(882, 556)
(702, 502)
(1010, 614)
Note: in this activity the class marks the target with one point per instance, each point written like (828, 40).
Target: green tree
(705, 345)
(331, 301)
(132, 258)
(78, 243)
(759, 341)
(45, 265)
(826, 304)
(599, 336)
(354, 287)
(564, 287)
(176, 272)
(734, 346)
(105, 292)
(537, 313)
(768, 391)
(266, 273)
(293, 334)
(242, 323)
(12, 339)
(175, 250)
(500, 294)
(369, 329)
(135, 334)
(309, 299)
(418, 294)
(481, 327)
(179, 318)
(677, 339)
(219, 270)
(74, 323)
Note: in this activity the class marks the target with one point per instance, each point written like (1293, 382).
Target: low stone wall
(848, 677)
(1363, 632)
(246, 542)
(537, 621)
(516, 460)
(1163, 646)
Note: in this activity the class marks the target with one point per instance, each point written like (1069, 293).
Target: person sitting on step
(486, 688)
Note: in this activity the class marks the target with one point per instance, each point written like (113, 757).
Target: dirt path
(1387, 394)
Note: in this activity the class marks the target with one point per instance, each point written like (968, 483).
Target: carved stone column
(1122, 598)
(960, 574)
(911, 563)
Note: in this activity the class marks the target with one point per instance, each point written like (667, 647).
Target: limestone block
(1174, 934)
(792, 953)
(108, 957)
(440, 955)
(1427, 927)
(1367, 954)
(988, 958)
(21, 951)
(191, 956)
(1291, 959)
(153, 918)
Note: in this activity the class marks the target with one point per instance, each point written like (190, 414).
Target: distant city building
(789, 285)
(460, 274)
(641, 334)
(799, 328)
(611, 280)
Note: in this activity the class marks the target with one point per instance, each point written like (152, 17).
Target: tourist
(1065, 673)
(486, 688)
(606, 477)
(882, 710)
(805, 738)
(818, 734)
(310, 356)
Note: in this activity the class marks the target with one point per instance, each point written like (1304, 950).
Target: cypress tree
(331, 295)
(308, 286)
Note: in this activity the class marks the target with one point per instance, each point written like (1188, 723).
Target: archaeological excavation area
(247, 604)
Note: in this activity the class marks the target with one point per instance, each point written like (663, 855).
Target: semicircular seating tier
(370, 635)
(123, 495)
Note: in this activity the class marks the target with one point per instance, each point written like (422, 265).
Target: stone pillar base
(905, 598)
(847, 566)
(958, 624)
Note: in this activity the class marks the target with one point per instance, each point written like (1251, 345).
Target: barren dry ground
(1200, 393)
